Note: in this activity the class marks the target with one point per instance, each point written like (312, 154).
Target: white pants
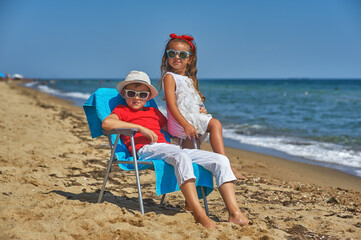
(182, 159)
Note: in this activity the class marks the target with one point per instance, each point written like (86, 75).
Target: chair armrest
(123, 131)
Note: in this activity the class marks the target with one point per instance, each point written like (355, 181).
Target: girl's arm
(112, 122)
(170, 98)
(203, 110)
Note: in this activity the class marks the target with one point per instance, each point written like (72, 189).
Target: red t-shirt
(150, 118)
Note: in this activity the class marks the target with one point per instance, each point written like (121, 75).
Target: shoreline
(230, 143)
(282, 155)
(284, 159)
(286, 170)
(51, 171)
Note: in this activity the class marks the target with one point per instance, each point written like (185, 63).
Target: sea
(306, 120)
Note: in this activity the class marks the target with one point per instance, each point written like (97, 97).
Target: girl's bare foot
(238, 175)
(238, 218)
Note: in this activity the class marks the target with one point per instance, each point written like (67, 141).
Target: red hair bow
(186, 38)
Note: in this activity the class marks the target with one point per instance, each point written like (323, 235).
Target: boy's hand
(149, 134)
(191, 131)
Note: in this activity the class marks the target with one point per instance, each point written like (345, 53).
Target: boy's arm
(112, 122)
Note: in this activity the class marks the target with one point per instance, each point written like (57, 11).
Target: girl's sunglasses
(182, 54)
(132, 94)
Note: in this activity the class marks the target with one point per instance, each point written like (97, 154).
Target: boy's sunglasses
(182, 54)
(132, 94)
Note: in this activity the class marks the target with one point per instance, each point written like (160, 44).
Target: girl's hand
(203, 110)
(149, 134)
(191, 132)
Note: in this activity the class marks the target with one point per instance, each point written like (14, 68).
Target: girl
(187, 117)
(151, 144)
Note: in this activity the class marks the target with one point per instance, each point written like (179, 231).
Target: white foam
(30, 84)
(79, 95)
(323, 152)
(358, 173)
(46, 89)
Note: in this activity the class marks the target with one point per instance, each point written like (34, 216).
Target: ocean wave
(55, 92)
(312, 150)
(358, 173)
(247, 129)
(78, 95)
(30, 84)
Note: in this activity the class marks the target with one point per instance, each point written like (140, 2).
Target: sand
(51, 171)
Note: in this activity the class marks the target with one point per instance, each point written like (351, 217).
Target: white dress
(188, 102)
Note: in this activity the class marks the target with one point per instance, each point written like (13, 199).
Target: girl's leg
(189, 191)
(216, 139)
(229, 197)
(216, 136)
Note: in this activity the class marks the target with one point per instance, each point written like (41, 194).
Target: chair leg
(162, 200)
(205, 201)
(105, 181)
(137, 175)
(140, 198)
(109, 165)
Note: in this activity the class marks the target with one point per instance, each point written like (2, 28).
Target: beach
(51, 171)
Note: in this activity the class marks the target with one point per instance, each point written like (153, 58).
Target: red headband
(186, 38)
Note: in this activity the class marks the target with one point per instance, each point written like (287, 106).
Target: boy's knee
(222, 163)
(182, 158)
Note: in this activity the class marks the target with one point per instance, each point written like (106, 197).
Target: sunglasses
(182, 54)
(132, 94)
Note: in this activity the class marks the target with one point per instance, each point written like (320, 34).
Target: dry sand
(51, 172)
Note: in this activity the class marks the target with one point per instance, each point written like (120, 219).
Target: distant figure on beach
(8, 78)
(150, 143)
(187, 115)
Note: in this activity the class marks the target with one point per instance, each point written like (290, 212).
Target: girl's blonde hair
(191, 70)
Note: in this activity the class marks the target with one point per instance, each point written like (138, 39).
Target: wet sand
(51, 171)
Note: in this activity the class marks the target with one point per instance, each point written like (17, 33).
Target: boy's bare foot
(187, 207)
(238, 218)
(205, 220)
(238, 175)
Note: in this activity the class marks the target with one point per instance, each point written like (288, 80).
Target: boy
(150, 143)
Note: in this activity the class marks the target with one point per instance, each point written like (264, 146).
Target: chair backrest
(99, 105)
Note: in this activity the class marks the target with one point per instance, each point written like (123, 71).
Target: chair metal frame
(130, 133)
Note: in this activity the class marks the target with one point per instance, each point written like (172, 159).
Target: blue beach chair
(99, 105)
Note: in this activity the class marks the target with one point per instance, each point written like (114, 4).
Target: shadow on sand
(131, 204)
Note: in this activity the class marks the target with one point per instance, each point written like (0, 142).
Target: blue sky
(235, 39)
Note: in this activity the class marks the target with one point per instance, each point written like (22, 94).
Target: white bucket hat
(137, 77)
